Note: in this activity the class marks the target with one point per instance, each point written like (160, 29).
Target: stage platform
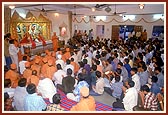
(39, 47)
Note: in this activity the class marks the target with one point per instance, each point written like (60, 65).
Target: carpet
(67, 103)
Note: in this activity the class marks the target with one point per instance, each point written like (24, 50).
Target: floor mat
(67, 103)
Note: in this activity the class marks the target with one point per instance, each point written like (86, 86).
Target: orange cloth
(13, 76)
(53, 54)
(37, 68)
(50, 62)
(48, 56)
(43, 69)
(48, 69)
(50, 72)
(66, 56)
(44, 60)
(20, 55)
(13, 66)
(27, 73)
(37, 59)
(33, 79)
(85, 104)
(144, 36)
(46, 51)
(53, 59)
(55, 41)
(27, 64)
(76, 67)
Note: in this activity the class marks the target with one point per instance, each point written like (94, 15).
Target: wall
(88, 23)
(146, 21)
(6, 19)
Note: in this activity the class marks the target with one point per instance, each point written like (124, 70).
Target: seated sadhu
(66, 55)
(87, 102)
(13, 75)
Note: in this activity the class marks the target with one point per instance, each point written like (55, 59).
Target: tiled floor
(105, 99)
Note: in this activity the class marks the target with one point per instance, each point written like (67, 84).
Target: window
(125, 30)
(157, 30)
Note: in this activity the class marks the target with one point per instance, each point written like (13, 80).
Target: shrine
(31, 32)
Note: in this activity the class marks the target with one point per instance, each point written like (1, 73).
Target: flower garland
(142, 19)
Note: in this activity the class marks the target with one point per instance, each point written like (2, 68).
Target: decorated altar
(33, 32)
(40, 48)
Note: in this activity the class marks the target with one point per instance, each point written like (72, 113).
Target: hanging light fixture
(56, 14)
(11, 6)
(108, 9)
(141, 6)
(93, 9)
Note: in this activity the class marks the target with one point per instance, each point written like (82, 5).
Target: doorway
(115, 32)
(100, 31)
(125, 30)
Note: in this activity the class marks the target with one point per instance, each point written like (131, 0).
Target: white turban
(59, 56)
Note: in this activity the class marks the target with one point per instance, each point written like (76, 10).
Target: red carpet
(67, 103)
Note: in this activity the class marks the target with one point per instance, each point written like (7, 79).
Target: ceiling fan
(75, 14)
(115, 13)
(43, 10)
(99, 7)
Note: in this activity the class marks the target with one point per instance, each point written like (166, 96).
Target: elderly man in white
(46, 88)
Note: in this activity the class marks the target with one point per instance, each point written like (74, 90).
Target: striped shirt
(151, 102)
(54, 107)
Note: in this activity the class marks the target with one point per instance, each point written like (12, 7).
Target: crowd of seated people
(132, 72)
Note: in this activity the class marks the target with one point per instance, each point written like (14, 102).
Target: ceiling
(86, 9)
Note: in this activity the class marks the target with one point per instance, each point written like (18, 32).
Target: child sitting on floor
(55, 106)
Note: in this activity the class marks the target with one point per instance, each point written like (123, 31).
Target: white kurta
(99, 86)
(58, 76)
(136, 79)
(61, 62)
(46, 88)
(13, 51)
(71, 67)
(22, 66)
(131, 98)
